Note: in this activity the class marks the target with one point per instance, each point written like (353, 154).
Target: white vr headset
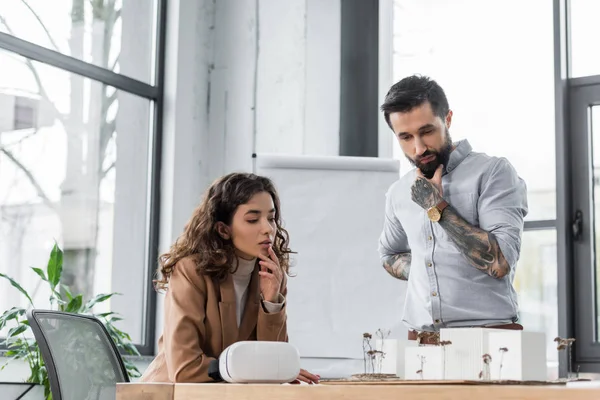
(259, 362)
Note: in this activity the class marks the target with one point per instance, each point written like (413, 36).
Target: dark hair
(214, 256)
(413, 91)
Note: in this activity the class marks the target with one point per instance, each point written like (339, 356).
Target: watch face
(434, 214)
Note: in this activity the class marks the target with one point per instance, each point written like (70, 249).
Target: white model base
(390, 348)
(464, 357)
(525, 359)
(511, 355)
(424, 362)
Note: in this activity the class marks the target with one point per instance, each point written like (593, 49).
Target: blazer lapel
(227, 309)
(250, 316)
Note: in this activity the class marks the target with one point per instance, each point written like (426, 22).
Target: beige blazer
(200, 322)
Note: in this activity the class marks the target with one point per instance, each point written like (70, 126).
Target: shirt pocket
(465, 205)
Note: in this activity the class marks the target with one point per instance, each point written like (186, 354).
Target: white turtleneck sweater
(241, 281)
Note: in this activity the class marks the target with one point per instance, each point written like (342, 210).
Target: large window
(91, 31)
(80, 95)
(585, 154)
(500, 85)
(585, 60)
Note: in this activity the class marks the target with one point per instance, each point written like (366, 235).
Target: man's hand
(428, 192)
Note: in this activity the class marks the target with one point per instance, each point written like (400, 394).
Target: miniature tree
(366, 349)
(378, 357)
(444, 343)
(502, 350)
(485, 372)
(380, 353)
(382, 334)
(373, 358)
(422, 360)
(566, 344)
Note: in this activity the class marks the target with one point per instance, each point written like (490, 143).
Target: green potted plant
(22, 346)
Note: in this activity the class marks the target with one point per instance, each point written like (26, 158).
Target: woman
(225, 280)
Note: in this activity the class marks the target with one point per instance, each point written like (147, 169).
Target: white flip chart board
(333, 208)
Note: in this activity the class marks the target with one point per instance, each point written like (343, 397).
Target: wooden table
(350, 391)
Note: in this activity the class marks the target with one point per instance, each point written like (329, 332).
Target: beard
(441, 157)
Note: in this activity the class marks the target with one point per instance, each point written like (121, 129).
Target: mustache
(425, 155)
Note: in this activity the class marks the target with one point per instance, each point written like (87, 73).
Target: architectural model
(478, 354)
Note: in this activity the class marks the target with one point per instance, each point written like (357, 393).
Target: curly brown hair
(214, 256)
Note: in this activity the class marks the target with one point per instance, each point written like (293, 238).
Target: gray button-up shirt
(444, 289)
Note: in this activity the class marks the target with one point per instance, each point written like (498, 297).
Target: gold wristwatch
(435, 212)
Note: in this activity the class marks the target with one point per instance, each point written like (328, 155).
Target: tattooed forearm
(479, 247)
(398, 265)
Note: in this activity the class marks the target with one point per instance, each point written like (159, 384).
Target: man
(453, 225)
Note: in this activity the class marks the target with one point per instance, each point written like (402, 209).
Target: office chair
(82, 361)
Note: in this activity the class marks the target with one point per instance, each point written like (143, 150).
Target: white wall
(385, 74)
(243, 76)
(275, 83)
(298, 81)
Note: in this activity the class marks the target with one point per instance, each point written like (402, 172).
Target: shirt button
(434, 294)
(429, 264)
(430, 238)
(437, 321)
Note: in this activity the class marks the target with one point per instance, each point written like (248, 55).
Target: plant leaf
(75, 304)
(16, 285)
(41, 373)
(55, 266)
(130, 348)
(56, 298)
(98, 299)
(14, 342)
(17, 330)
(132, 370)
(68, 293)
(13, 313)
(40, 273)
(106, 314)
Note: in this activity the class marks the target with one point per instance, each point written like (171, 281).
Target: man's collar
(462, 148)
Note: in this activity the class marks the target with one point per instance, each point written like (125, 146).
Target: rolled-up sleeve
(393, 239)
(502, 208)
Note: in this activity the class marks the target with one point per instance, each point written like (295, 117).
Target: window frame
(152, 92)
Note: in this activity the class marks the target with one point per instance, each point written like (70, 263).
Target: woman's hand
(270, 276)
(307, 377)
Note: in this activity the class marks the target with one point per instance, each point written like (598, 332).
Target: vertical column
(359, 78)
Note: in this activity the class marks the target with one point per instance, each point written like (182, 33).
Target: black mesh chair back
(82, 360)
